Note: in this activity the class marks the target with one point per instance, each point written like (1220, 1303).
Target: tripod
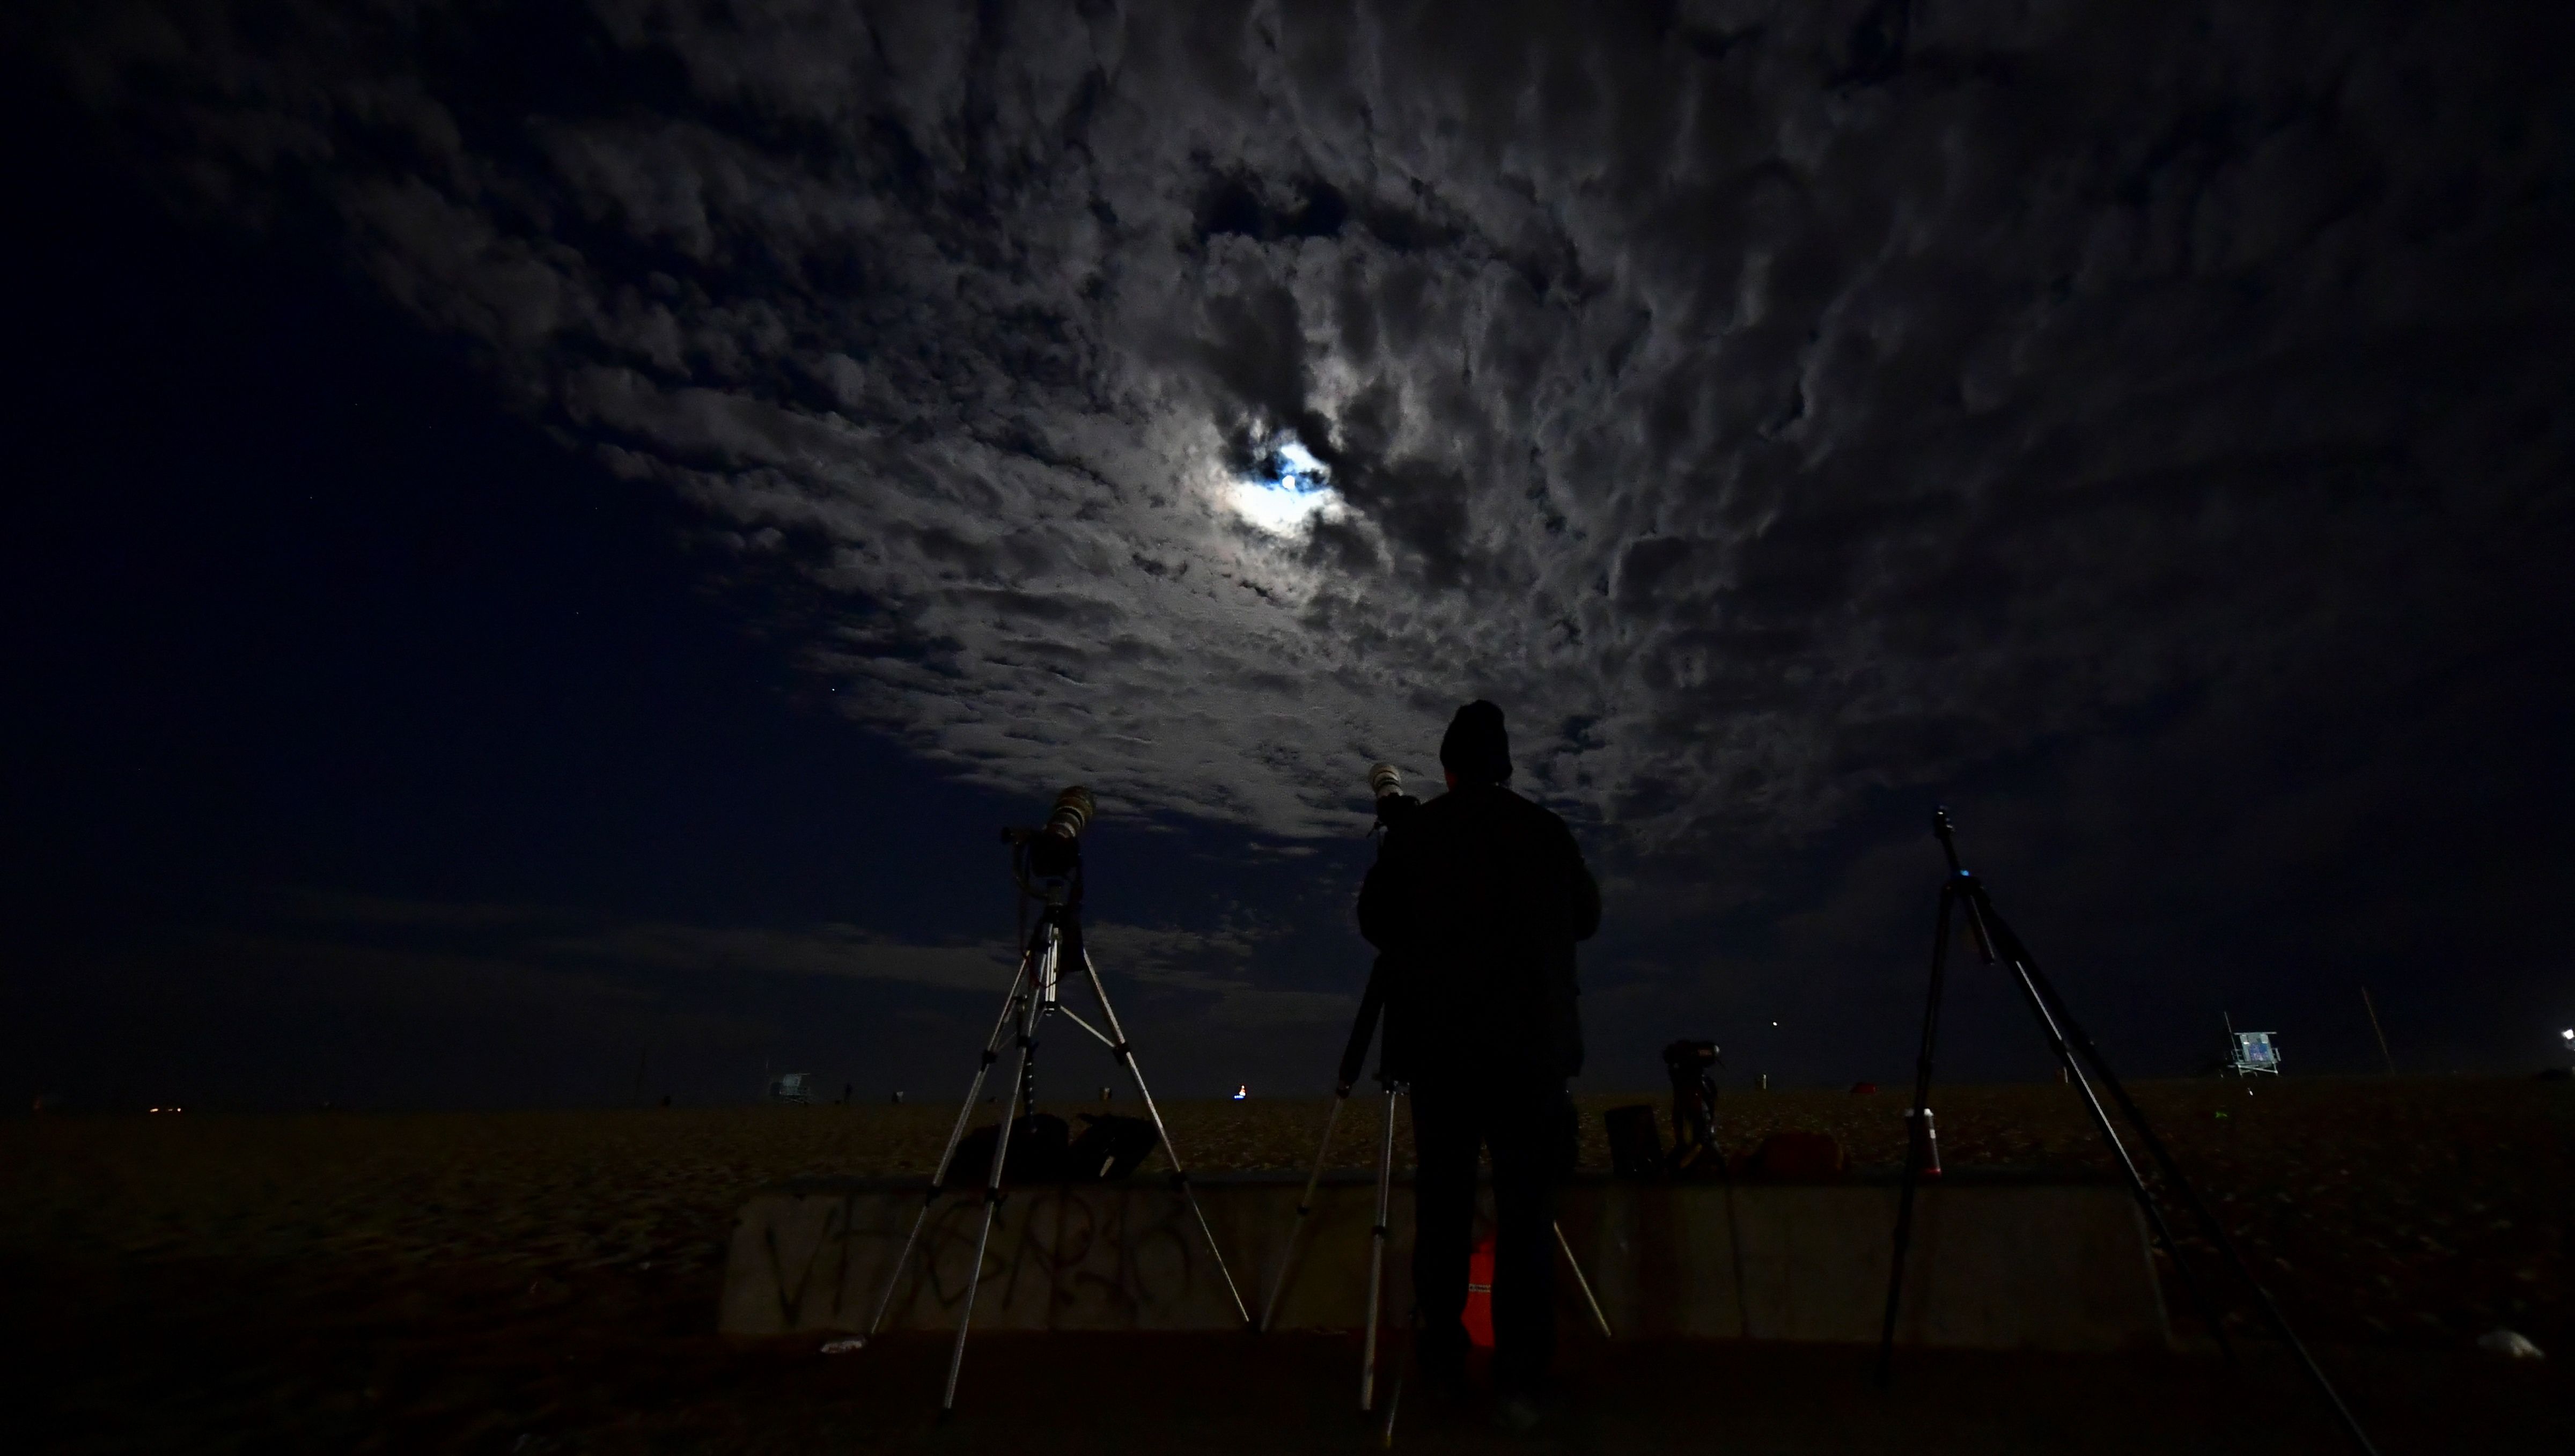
(1354, 1054)
(1047, 865)
(2073, 1048)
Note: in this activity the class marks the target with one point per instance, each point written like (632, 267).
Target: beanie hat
(1475, 748)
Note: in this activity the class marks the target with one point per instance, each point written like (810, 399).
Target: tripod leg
(1377, 1253)
(992, 1190)
(956, 1134)
(1999, 942)
(1913, 1135)
(1304, 1205)
(1565, 1247)
(2206, 1217)
(1125, 1053)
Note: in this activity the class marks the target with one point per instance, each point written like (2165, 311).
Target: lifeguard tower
(2251, 1054)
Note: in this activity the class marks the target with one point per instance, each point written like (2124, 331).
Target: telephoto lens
(1072, 813)
(1392, 803)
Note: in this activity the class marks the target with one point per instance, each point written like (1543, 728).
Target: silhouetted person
(1477, 900)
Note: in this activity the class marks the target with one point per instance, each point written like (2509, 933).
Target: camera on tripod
(1636, 1146)
(1047, 862)
(1386, 781)
(1052, 851)
(1692, 1066)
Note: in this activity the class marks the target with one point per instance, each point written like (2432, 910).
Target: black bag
(1636, 1143)
(1037, 1146)
(1111, 1147)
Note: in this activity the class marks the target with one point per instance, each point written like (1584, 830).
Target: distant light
(1775, 1024)
(1242, 1091)
(2569, 1035)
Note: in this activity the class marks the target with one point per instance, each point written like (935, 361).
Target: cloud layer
(1195, 972)
(1768, 402)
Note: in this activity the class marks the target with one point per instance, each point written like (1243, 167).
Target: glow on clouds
(1287, 490)
(1763, 411)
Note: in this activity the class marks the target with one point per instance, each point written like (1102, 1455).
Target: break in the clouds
(1764, 400)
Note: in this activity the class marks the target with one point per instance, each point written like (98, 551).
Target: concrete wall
(1998, 1263)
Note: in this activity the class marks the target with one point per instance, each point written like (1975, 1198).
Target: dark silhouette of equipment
(1109, 1147)
(1025, 1145)
(1635, 1144)
(1692, 1068)
(1963, 895)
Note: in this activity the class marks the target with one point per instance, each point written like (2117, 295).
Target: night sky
(544, 540)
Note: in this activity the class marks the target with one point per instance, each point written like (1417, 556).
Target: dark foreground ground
(546, 1282)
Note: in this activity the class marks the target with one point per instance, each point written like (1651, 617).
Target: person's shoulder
(1471, 801)
(1490, 806)
(1525, 807)
(1540, 824)
(1459, 814)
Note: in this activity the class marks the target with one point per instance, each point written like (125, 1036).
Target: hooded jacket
(1477, 900)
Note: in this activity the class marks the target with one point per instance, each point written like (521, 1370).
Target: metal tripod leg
(1914, 1135)
(956, 1134)
(1565, 1247)
(1126, 1052)
(1029, 1016)
(1377, 1253)
(1996, 942)
(2208, 1218)
(1993, 946)
(1304, 1205)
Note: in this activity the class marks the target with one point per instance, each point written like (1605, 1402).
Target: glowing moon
(1286, 489)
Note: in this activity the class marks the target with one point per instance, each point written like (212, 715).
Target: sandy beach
(459, 1281)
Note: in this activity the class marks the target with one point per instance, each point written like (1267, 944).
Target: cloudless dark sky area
(410, 705)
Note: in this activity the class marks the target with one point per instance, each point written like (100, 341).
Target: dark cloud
(388, 1002)
(1809, 396)
(1796, 402)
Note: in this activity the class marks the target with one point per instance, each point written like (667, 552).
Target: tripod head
(1943, 831)
(1969, 888)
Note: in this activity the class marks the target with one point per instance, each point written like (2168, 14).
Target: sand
(353, 1281)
